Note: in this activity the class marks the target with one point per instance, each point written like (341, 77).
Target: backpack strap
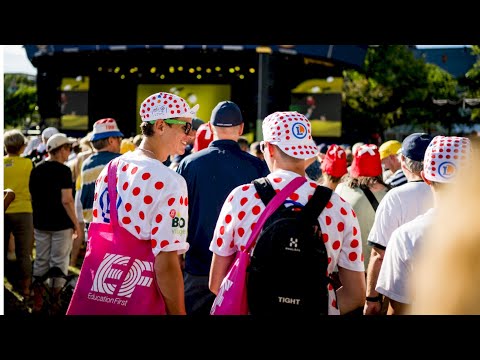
(264, 189)
(368, 193)
(276, 202)
(314, 207)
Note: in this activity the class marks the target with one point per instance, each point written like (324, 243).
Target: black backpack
(288, 268)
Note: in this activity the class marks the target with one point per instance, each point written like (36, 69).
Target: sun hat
(57, 140)
(163, 105)
(335, 161)
(226, 114)
(105, 128)
(415, 145)
(48, 132)
(366, 161)
(444, 156)
(291, 132)
(388, 148)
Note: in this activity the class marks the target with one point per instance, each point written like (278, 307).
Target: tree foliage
(20, 99)
(396, 88)
(473, 81)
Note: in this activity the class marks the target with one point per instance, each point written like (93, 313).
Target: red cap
(203, 138)
(366, 162)
(335, 161)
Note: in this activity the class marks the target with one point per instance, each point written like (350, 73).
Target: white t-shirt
(393, 279)
(400, 205)
(338, 222)
(152, 202)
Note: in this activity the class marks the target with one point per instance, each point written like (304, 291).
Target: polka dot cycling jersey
(338, 221)
(152, 202)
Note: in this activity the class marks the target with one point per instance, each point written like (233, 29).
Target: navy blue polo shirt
(211, 174)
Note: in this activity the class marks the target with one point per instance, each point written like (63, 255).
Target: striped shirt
(397, 179)
(91, 168)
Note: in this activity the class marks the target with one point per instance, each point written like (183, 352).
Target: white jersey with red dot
(338, 221)
(152, 202)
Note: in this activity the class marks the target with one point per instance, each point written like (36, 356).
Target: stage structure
(79, 84)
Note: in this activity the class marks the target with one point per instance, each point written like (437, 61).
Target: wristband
(378, 298)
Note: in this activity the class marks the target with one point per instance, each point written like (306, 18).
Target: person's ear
(240, 130)
(424, 178)
(271, 149)
(159, 125)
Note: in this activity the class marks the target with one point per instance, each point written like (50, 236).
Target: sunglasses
(186, 128)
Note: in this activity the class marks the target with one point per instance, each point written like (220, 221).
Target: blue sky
(15, 58)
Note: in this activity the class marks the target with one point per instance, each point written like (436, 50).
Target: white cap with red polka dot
(444, 156)
(164, 105)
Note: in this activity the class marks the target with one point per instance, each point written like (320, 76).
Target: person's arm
(373, 269)
(170, 281)
(78, 206)
(8, 197)
(218, 271)
(68, 204)
(351, 295)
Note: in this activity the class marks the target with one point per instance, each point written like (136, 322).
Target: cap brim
(193, 110)
(106, 135)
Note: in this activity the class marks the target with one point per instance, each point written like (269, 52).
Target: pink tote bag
(232, 295)
(117, 275)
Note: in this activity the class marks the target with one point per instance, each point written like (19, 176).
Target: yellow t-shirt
(16, 172)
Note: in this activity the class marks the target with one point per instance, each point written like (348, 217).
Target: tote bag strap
(272, 206)
(112, 191)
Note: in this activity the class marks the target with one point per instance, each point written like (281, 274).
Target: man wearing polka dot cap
(153, 199)
(287, 143)
(444, 157)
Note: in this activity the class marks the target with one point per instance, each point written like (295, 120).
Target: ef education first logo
(299, 130)
(110, 269)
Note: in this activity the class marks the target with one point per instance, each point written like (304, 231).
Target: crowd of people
(184, 187)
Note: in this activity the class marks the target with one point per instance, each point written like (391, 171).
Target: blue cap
(226, 114)
(415, 145)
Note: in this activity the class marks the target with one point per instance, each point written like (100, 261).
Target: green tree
(20, 99)
(395, 88)
(361, 97)
(472, 81)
